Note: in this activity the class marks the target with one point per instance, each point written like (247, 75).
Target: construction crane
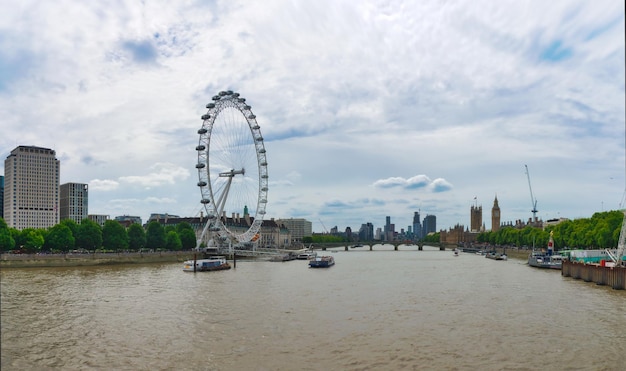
(325, 230)
(532, 198)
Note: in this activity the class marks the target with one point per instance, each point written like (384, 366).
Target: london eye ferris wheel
(232, 171)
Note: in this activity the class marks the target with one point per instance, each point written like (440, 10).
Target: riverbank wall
(76, 260)
(614, 277)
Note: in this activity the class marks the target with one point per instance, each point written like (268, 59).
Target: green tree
(187, 235)
(136, 237)
(89, 235)
(188, 239)
(600, 231)
(155, 235)
(168, 228)
(7, 242)
(602, 235)
(182, 226)
(72, 225)
(323, 238)
(60, 238)
(31, 240)
(172, 241)
(114, 236)
(432, 238)
(16, 236)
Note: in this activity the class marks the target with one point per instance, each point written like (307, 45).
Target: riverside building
(298, 227)
(31, 193)
(74, 201)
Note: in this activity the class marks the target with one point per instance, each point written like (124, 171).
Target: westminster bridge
(371, 245)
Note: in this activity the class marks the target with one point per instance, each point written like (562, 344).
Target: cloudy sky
(368, 108)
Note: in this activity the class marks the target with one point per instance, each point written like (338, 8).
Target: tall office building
(430, 224)
(74, 201)
(366, 232)
(31, 194)
(390, 229)
(417, 226)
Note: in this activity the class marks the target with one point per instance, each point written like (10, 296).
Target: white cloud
(416, 182)
(103, 184)
(348, 95)
(163, 173)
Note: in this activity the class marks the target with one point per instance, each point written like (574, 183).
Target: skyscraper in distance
(430, 224)
(417, 226)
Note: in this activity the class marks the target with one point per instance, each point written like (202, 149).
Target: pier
(614, 277)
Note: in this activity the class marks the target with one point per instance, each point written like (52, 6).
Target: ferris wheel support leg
(221, 202)
(203, 234)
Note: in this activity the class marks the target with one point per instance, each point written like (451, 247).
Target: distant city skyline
(78, 201)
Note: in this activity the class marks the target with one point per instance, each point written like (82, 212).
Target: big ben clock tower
(495, 216)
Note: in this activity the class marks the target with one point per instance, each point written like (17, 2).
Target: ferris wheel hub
(232, 173)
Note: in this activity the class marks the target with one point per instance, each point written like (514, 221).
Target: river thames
(373, 310)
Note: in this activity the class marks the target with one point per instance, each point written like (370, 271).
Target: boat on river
(322, 262)
(283, 257)
(540, 259)
(495, 256)
(216, 263)
(306, 255)
(546, 259)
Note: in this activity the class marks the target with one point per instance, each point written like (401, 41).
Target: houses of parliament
(460, 234)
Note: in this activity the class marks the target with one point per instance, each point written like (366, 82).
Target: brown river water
(373, 310)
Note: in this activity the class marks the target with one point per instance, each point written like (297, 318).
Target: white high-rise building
(31, 188)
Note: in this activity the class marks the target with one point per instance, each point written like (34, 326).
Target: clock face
(496, 213)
